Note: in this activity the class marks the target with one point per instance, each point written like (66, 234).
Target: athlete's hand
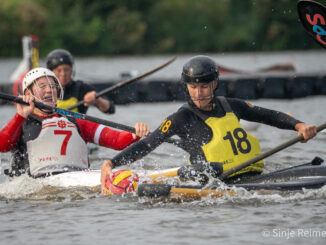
(90, 98)
(26, 110)
(142, 130)
(307, 131)
(106, 172)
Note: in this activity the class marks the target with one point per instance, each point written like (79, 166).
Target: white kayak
(91, 178)
(88, 178)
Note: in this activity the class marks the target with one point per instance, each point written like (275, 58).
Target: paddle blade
(313, 17)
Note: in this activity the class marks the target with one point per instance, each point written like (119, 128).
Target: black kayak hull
(307, 183)
(306, 176)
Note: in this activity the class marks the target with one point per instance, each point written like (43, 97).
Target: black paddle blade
(313, 17)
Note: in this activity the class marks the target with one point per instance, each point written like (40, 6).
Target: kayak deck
(306, 176)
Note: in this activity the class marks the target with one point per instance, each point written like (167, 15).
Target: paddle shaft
(80, 116)
(182, 191)
(123, 83)
(266, 154)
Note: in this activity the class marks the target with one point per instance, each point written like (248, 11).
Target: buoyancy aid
(50, 146)
(70, 97)
(231, 144)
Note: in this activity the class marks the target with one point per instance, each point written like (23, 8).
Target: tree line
(115, 27)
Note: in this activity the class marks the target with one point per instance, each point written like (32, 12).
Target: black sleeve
(80, 89)
(111, 109)
(84, 89)
(246, 111)
(141, 148)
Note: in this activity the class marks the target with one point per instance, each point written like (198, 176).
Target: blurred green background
(126, 27)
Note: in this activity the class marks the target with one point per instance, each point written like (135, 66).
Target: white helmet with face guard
(33, 75)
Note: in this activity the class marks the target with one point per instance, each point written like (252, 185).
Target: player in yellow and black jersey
(209, 126)
(62, 63)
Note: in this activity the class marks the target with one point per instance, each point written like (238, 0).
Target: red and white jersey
(58, 144)
(51, 143)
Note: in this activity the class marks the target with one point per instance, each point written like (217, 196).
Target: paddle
(266, 154)
(313, 17)
(123, 83)
(184, 192)
(80, 116)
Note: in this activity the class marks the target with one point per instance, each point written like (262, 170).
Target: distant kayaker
(209, 127)
(43, 142)
(61, 62)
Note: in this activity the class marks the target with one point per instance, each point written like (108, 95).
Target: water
(32, 212)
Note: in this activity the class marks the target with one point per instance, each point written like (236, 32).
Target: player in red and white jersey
(43, 142)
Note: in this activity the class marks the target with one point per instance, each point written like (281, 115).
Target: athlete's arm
(246, 111)
(140, 149)
(103, 104)
(276, 119)
(104, 136)
(307, 131)
(9, 135)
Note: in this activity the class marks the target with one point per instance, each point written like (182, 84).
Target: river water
(34, 213)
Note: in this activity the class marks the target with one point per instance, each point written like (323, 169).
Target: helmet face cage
(56, 90)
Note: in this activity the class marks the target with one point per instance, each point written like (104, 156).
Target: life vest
(64, 104)
(231, 144)
(71, 98)
(58, 145)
